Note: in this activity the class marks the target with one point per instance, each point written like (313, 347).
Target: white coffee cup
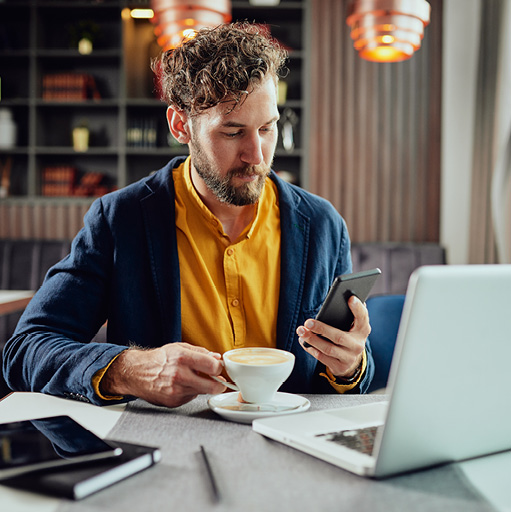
(258, 372)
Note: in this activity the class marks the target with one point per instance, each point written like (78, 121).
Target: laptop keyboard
(361, 440)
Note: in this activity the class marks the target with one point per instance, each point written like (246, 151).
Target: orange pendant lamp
(176, 20)
(387, 30)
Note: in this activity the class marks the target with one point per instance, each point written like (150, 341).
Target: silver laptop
(449, 384)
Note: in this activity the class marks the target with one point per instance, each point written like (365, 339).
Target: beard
(223, 187)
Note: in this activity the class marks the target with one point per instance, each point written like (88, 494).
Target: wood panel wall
(374, 139)
(482, 242)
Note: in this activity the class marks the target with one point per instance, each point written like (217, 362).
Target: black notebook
(81, 480)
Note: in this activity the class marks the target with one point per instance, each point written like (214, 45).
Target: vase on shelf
(81, 138)
(7, 129)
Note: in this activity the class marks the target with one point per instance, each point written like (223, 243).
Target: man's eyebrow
(234, 124)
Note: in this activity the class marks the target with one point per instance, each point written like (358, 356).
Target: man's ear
(178, 125)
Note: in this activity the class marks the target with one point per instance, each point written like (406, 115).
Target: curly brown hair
(219, 64)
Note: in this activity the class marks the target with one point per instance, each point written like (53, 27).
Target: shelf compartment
(140, 44)
(19, 113)
(94, 174)
(15, 77)
(14, 27)
(146, 126)
(17, 164)
(81, 19)
(104, 80)
(54, 127)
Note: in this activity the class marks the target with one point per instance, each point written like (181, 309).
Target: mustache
(250, 170)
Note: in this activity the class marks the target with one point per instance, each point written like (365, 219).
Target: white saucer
(227, 406)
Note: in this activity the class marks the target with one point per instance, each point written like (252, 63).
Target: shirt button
(230, 252)
(235, 303)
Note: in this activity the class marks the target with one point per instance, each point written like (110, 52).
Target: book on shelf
(63, 180)
(92, 184)
(142, 133)
(69, 87)
(58, 180)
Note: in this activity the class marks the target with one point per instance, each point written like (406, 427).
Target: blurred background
(413, 151)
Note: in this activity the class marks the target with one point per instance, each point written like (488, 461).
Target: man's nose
(252, 152)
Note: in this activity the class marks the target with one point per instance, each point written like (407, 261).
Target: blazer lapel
(158, 212)
(294, 250)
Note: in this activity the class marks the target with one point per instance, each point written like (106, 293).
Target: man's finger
(201, 361)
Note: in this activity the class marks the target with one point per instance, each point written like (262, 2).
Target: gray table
(257, 474)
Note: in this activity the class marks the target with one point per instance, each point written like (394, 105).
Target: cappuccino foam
(256, 357)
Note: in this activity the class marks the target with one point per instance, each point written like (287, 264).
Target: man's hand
(343, 353)
(171, 375)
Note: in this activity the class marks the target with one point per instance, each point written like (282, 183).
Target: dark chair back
(384, 316)
(23, 265)
(396, 260)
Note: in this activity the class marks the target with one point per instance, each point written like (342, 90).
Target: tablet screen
(47, 442)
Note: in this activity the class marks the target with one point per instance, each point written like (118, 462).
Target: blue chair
(384, 316)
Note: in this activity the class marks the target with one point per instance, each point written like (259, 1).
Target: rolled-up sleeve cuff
(342, 388)
(96, 381)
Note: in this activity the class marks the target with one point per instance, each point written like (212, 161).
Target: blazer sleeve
(51, 350)
(344, 266)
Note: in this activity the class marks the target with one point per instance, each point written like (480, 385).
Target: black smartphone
(335, 310)
(45, 443)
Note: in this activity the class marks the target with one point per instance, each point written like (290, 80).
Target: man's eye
(269, 128)
(233, 135)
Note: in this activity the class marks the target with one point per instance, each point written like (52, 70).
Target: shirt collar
(206, 212)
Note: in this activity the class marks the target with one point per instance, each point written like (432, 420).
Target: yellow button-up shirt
(229, 288)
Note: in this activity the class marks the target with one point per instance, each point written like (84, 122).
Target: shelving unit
(128, 131)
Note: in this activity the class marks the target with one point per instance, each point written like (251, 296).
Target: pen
(216, 491)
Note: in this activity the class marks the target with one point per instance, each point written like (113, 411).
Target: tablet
(81, 480)
(44, 443)
(335, 310)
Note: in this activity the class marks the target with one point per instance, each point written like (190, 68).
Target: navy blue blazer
(123, 267)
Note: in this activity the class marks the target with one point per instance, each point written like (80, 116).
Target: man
(210, 253)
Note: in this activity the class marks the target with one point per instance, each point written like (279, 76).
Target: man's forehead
(221, 110)
(230, 112)
(224, 116)
(233, 104)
